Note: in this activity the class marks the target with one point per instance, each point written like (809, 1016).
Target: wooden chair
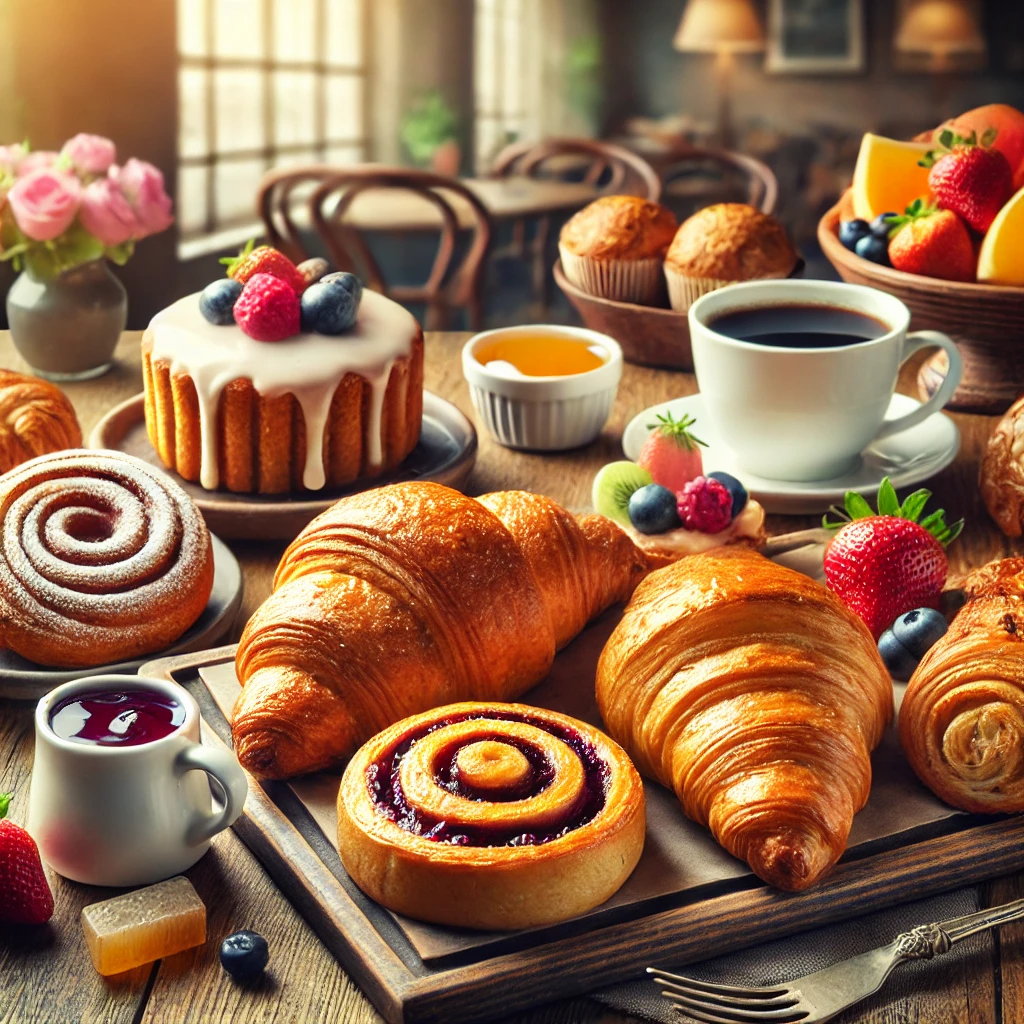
(331, 192)
(693, 164)
(612, 169)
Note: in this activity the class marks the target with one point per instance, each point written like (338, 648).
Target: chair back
(612, 168)
(451, 284)
(759, 181)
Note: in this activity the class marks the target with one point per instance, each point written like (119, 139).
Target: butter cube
(145, 925)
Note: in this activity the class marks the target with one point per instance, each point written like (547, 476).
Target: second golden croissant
(757, 697)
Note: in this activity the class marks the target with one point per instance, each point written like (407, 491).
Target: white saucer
(906, 458)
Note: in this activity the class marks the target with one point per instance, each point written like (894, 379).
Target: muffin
(614, 248)
(724, 244)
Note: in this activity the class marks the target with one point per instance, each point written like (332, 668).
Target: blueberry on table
(882, 225)
(875, 249)
(919, 630)
(852, 231)
(328, 307)
(735, 489)
(217, 301)
(244, 955)
(652, 509)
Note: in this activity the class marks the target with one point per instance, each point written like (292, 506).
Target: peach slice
(887, 176)
(1001, 257)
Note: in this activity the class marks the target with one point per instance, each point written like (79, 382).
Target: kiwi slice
(613, 487)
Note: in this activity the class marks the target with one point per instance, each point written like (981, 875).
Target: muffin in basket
(614, 248)
(723, 244)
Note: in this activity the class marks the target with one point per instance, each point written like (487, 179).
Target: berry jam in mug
(117, 717)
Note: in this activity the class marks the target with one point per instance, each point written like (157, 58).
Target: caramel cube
(145, 925)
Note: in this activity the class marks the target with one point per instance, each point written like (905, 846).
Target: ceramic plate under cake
(445, 454)
(21, 679)
(907, 458)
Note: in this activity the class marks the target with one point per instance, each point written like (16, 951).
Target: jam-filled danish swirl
(102, 558)
(490, 816)
(962, 717)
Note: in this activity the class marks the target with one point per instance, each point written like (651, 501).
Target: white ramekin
(543, 413)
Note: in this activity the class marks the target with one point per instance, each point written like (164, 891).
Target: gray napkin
(796, 955)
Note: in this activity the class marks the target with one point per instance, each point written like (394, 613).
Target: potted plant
(62, 216)
(430, 134)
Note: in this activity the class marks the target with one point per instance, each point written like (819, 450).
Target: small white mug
(128, 815)
(807, 413)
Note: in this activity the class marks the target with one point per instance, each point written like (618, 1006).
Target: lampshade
(719, 26)
(938, 28)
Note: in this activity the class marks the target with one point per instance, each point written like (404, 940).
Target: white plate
(21, 679)
(906, 458)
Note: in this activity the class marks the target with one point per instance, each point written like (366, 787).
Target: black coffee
(799, 326)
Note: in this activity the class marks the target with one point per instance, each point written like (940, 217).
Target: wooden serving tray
(686, 901)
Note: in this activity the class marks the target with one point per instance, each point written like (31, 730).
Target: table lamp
(939, 29)
(724, 28)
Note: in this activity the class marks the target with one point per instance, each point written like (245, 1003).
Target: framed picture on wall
(815, 36)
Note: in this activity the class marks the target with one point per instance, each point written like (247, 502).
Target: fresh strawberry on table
(267, 309)
(933, 242)
(265, 260)
(882, 564)
(25, 896)
(671, 454)
(969, 177)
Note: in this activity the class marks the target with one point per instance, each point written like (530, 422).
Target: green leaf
(914, 504)
(231, 261)
(857, 506)
(120, 254)
(946, 138)
(937, 519)
(888, 503)
(5, 802)
(14, 251)
(989, 136)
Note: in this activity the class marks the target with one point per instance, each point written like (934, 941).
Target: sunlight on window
(262, 84)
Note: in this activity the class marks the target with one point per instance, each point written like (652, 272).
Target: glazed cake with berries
(280, 378)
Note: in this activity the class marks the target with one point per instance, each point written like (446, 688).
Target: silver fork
(817, 997)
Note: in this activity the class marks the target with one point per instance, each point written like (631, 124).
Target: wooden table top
(46, 973)
(505, 199)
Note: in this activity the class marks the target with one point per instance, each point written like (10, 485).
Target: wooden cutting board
(686, 901)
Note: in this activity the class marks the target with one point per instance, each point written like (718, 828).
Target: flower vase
(67, 327)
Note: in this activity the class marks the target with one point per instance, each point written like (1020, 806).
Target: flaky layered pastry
(757, 697)
(962, 717)
(36, 418)
(407, 597)
(491, 816)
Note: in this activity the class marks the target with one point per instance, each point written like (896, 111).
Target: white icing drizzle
(309, 366)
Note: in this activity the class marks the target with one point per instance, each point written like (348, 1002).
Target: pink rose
(106, 214)
(143, 186)
(89, 154)
(34, 161)
(44, 203)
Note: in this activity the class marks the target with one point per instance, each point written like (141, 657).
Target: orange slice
(888, 177)
(1001, 257)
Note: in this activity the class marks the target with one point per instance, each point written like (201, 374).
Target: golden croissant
(407, 597)
(962, 718)
(36, 418)
(757, 697)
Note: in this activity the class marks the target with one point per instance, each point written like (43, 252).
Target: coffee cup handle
(915, 341)
(230, 779)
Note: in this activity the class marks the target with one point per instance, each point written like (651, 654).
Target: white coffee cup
(807, 413)
(128, 815)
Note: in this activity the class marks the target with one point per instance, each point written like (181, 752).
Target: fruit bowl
(986, 321)
(648, 335)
